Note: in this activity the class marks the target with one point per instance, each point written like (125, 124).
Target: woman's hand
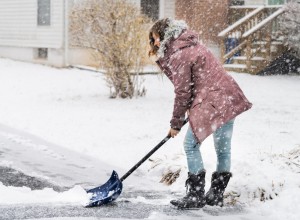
(173, 132)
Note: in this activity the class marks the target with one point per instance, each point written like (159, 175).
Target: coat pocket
(196, 104)
(210, 111)
(218, 101)
(199, 99)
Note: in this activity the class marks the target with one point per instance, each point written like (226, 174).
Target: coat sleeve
(181, 64)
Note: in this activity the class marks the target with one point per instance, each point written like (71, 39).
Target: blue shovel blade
(106, 193)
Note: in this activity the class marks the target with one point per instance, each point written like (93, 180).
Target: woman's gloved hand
(173, 132)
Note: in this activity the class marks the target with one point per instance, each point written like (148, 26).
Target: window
(276, 2)
(237, 2)
(43, 12)
(150, 8)
(42, 53)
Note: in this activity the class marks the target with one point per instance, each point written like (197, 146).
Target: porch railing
(257, 37)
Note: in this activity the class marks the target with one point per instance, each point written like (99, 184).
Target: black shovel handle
(149, 154)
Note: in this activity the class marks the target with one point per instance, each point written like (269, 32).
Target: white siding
(255, 2)
(136, 2)
(167, 8)
(18, 24)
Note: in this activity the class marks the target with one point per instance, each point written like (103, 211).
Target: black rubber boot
(195, 197)
(219, 183)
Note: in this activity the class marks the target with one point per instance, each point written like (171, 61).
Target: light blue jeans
(222, 141)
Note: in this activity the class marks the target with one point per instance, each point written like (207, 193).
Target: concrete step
(241, 68)
(244, 58)
(235, 66)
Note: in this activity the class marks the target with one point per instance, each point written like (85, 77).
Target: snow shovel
(111, 190)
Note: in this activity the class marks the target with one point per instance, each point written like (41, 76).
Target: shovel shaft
(148, 155)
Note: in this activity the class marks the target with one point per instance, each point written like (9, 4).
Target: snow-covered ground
(70, 108)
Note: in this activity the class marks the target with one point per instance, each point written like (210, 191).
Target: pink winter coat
(201, 85)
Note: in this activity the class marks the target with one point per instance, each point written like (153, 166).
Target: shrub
(117, 33)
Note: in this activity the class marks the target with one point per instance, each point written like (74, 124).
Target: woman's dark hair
(158, 29)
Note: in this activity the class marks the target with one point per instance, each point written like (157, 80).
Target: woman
(211, 98)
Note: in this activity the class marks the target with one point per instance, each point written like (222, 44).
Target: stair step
(243, 58)
(265, 42)
(263, 50)
(277, 43)
(237, 66)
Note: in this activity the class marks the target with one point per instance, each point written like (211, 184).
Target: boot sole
(187, 208)
(219, 204)
(180, 208)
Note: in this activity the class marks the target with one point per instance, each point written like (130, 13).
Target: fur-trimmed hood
(177, 36)
(176, 27)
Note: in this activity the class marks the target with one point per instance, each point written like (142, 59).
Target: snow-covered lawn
(71, 108)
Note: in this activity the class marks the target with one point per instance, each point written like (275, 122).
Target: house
(242, 33)
(36, 30)
(210, 17)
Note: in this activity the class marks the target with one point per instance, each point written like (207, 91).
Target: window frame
(157, 16)
(39, 21)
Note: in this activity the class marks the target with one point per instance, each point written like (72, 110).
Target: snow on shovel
(111, 190)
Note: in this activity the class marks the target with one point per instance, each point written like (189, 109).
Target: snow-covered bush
(117, 33)
(290, 26)
(168, 168)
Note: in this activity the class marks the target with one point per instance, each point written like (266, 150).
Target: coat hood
(176, 37)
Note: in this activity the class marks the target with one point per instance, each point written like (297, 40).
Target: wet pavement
(20, 166)
(122, 208)
(12, 177)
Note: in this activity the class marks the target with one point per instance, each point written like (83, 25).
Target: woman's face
(156, 40)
